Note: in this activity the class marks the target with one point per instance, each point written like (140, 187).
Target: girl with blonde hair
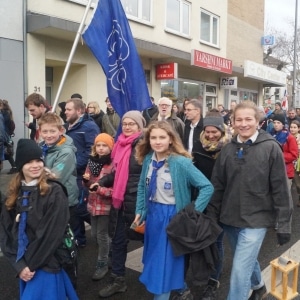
(93, 109)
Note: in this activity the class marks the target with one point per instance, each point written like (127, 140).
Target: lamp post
(295, 55)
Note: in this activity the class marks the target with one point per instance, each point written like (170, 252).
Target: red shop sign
(166, 71)
(212, 62)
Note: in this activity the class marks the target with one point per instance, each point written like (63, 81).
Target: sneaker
(101, 271)
(211, 290)
(116, 285)
(12, 171)
(259, 294)
(185, 295)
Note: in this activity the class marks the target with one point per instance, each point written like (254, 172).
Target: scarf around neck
(281, 136)
(96, 163)
(121, 156)
(215, 146)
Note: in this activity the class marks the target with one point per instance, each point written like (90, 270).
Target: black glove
(107, 180)
(283, 238)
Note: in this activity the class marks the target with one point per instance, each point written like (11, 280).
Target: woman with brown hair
(33, 223)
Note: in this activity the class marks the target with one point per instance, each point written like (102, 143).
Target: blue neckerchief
(240, 152)
(22, 236)
(153, 180)
(45, 149)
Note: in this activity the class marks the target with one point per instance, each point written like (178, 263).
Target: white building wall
(11, 19)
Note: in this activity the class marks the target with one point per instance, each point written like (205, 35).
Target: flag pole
(295, 71)
(78, 34)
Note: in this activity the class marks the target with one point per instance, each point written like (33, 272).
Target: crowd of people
(146, 176)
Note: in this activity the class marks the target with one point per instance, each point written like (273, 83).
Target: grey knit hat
(217, 122)
(136, 116)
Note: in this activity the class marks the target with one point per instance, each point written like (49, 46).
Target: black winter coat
(193, 232)
(204, 160)
(98, 119)
(129, 204)
(196, 135)
(47, 220)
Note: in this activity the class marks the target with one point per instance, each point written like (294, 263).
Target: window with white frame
(138, 9)
(209, 31)
(178, 16)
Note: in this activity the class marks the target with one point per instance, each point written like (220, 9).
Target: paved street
(88, 289)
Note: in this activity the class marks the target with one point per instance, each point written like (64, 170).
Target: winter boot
(211, 289)
(184, 295)
(101, 270)
(117, 284)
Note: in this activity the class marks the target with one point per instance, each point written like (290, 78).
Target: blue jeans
(219, 266)
(164, 296)
(245, 273)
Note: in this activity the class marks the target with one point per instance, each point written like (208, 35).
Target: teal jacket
(184, 176)
(61, 161)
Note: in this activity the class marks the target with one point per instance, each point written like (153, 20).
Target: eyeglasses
(91, 106)
(165, 105)
(131, 124)
(190, 109)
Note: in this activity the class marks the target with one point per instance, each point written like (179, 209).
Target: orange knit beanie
(105, 138)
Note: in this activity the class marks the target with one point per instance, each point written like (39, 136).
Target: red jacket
(99, 203)
(290, 153)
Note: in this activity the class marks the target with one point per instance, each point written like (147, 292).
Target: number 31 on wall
(36, 89)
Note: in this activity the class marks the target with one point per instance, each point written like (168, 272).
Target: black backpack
(67, 255)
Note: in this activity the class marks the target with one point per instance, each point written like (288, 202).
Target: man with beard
(36, 106)
(83, 130)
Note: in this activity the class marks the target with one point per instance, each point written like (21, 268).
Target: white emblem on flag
(118, 52)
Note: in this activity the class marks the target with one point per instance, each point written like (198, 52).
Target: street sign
(268, 40)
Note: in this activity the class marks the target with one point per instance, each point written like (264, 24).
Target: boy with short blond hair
(59, 155)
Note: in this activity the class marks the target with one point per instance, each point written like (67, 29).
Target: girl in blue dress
(165, 188)
(33, 221)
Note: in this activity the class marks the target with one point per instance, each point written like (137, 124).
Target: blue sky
(279, 13)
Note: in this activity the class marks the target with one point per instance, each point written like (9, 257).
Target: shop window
(178, 17)
(138, 9)
(169, 89)
(211, 89)
(248, 95)
(178, 90)
(209, 30)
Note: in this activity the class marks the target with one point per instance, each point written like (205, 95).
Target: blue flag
(110, 39)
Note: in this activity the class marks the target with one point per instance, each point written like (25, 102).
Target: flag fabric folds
(110, 39)
(284, 103)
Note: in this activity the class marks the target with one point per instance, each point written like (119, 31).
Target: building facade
(213, 45)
